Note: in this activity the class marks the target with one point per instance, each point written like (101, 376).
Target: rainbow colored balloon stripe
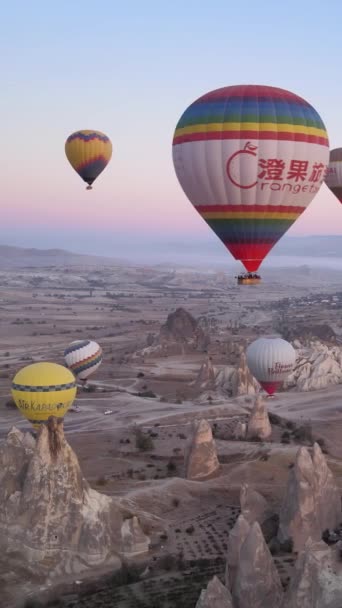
(81, 366)
(251, 112)
(251, 124)
(238, 224)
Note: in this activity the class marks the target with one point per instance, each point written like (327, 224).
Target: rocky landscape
(194, 485)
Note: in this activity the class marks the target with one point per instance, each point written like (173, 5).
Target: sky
(130, 69)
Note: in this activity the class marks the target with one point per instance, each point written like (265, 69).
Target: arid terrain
(149, 378)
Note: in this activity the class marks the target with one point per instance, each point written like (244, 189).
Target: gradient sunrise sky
(130, 69)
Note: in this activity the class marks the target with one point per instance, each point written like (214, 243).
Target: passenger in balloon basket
(246, 277)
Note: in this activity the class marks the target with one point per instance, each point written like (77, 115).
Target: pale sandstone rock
(201, 456)
(237, 537)
(206, 376)
(224, 379)
(317, 367)
(317, 579)
(49, 516)
(242, 382)
(180, 334)
(298, 514)
(135, 542)
(215, 595)
(312, 502)
(259, 424)
(257, 583)
(328, 496)
(232, 380)
(254, 506)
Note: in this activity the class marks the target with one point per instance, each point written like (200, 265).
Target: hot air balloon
(42, 390)
(250, 159)
(333, 178)
(83, 357)
(88, 152)
(270, 360)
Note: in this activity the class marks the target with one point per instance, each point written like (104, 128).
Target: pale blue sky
(130, 69)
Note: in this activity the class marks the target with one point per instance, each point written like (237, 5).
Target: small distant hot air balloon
(83, 357)
(270, 360)
(333, 178)
(88, 152)
(42, 390)
(250, 159)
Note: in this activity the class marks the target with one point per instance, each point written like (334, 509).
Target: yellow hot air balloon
(89, 153)
(42, 390)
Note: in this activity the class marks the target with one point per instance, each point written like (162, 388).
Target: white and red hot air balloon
(270, 360)
(83, 357)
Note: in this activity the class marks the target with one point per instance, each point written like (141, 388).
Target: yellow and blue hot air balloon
(42, 390)
(250, 159)
(88, 152)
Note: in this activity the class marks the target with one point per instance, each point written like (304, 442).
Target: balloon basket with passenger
(248, 278)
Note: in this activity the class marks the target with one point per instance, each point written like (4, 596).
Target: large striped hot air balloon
(270, 360)
(88, 152)
(83, 357)
(42, 390)
(250, 158)
(333, 178)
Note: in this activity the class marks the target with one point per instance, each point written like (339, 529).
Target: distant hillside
(18, 257)
(177, 252)
(313, 246)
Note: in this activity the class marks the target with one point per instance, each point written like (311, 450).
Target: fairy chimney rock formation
(257, 583)
(206, 376)
(317, 579)
(318, 365)
(237, 537)
(328, 496)
(312, 502)
(201, 457)
(243, 383)
(215, 595)
(259, 425)
(49, 516)
(254, 506)
(135, 542)
(182, 328)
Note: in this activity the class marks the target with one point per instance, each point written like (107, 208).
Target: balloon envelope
(88, 152)
(270, 360)
(333, 177)
(42, 390)
(250, 159)
(83, 357)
